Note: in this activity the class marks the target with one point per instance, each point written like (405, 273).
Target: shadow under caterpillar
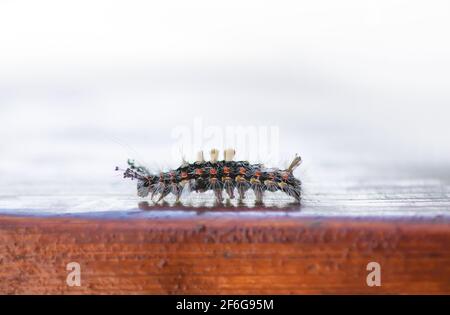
(234, 178)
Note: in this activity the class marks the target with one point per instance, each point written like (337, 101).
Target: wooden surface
(245, 255)
(349, 216)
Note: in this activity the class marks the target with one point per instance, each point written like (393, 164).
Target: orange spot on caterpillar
(198, 171)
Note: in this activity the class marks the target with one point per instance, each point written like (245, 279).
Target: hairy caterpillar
(234, 178)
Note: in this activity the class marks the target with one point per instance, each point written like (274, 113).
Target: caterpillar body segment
(225, 178)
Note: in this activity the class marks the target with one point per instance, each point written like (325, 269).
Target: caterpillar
(234, 178)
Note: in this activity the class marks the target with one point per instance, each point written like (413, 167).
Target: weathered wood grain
(206, 255)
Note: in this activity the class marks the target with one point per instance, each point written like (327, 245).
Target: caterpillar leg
(270, 185)
(295, 192)
(159, 188)
(163, 195)
(176, 189)
(216, 187)
(229, 187)
(186, 187)
(143, 188)
(291, 191)
(219, 196)
(242, 186)
(242, 189)
(199, 185)
(226, 179)
(258, 189)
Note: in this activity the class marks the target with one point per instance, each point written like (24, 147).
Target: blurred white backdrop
(86, 84)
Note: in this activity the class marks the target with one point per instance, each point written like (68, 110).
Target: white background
(86, 84)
